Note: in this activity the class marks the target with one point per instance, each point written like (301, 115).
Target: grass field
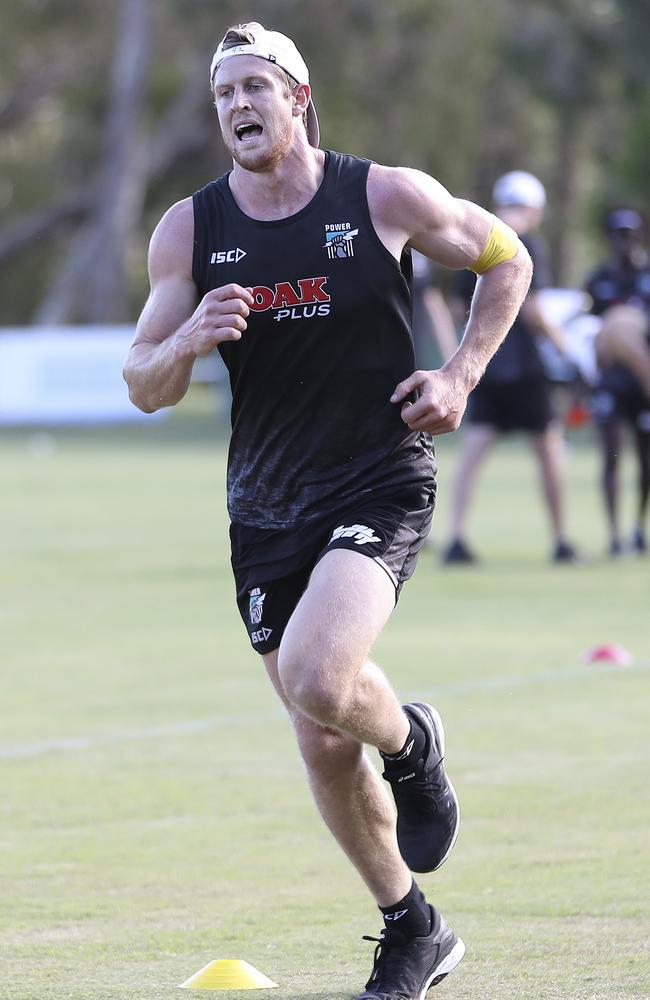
(154, 812)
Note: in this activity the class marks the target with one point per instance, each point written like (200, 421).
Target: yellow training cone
(228, 974)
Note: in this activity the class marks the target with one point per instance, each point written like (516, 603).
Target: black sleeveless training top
(328, 339)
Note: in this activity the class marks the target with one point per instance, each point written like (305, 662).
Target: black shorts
(272, 568)
(524, 405)
(629, 405)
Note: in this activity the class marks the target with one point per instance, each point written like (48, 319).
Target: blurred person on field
(434, 330)
(620, 294)
(514, 393)
(296, 266)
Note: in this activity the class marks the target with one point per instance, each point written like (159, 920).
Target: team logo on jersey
(227, 256)
(308, 299)
(255, 603)
(361, 534)
(339, 237)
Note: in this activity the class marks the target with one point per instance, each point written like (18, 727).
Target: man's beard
(264, 159)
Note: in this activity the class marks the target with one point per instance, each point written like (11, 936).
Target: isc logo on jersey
(227, 256)
(300, 300)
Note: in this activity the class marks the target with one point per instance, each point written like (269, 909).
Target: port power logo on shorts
(302, 299)
(255, 605)
(361, 534)
(339, 240)
(255, 610)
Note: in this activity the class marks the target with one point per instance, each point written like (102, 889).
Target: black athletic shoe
(428, 815)
(615, 550)
(458, 553)
(639, 542)
(565, 553)
(406, 968)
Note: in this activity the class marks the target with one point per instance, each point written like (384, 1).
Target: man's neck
(281, 191)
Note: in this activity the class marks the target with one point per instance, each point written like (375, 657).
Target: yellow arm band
(501, 245)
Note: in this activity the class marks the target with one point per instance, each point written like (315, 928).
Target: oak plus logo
(303, 299)
(227, 256)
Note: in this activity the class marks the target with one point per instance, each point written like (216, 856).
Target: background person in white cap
(620, 293)
(296, 266)
(514, 394)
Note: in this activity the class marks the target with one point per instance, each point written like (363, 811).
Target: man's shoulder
(177, 223)
(395, 179)
(173, 238)
(400, 191)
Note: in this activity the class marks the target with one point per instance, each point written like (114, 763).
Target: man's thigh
(385, 532)
(347, 602)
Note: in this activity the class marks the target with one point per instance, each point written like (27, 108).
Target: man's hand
(220, 315)
(440, 404)
(158, 368)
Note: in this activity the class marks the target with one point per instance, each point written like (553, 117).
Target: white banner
(65, 375)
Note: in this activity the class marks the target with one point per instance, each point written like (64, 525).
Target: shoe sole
(436, 730)
(447, 965)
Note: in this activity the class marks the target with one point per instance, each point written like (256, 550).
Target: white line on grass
(527, 680)
(19, 751)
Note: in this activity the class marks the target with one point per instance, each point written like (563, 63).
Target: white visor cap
(519, 188)
(276, 48)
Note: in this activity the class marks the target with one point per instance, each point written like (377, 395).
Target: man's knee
(316, 675)
(327, 753)
(313, 684)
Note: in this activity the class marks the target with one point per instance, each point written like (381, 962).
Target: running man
(331, 469)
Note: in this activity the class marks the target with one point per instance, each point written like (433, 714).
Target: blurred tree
(562, 53)
(107, 119)
(628, 158)
(92, 282)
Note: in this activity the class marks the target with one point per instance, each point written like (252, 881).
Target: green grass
(154, 814)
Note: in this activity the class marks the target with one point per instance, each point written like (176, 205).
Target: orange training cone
(228, 974)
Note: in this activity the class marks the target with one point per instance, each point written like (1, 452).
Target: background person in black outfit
(620, 293)
(514, 394)
(434, 330)
(331, 468)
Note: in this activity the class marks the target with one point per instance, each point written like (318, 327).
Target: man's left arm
(409, 208)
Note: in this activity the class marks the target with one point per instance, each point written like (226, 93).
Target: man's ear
(301, 99)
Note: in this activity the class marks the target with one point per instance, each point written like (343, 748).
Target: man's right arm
(175, 328)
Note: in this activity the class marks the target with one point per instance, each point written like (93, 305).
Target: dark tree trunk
(92, 283)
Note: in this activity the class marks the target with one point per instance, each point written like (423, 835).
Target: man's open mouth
(247, 131)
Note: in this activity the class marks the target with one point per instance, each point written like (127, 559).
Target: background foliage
(105, 120)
